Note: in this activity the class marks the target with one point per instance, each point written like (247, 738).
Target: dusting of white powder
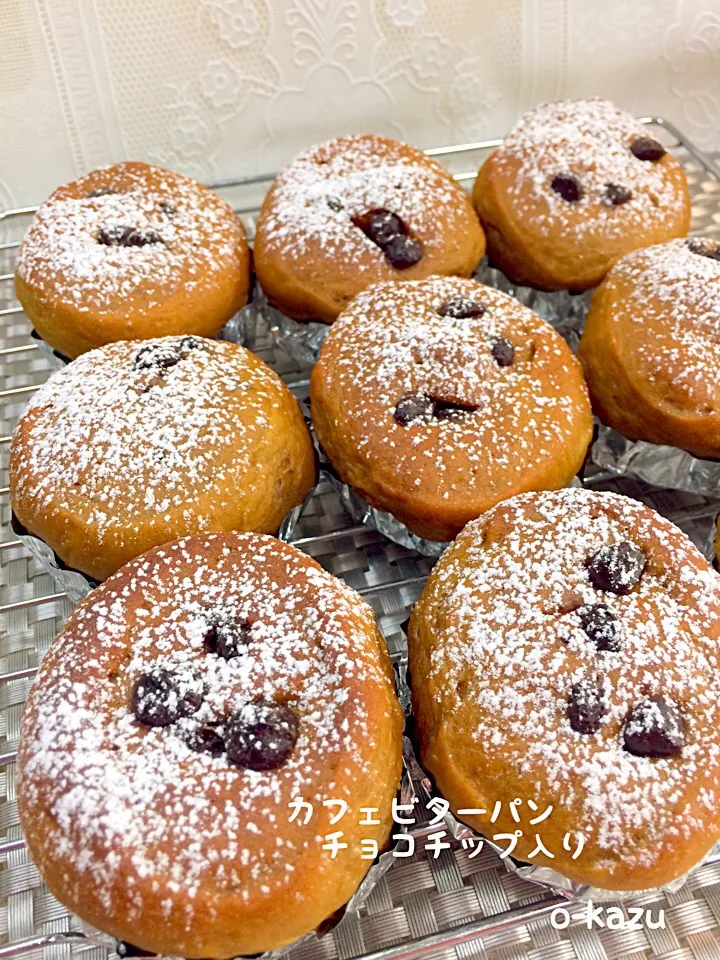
(393, 342)
(200, 240)
(125, 797)
(363, 173)
(676, 290)
(513, 630)
(590, 140)
(124, 445)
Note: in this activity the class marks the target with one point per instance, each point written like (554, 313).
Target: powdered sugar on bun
(131, 252)
(315, 199)
(354, 211)
(137, 442)
(183, 233)
(133, 824)
(573, 187)
(674, 291)
(509, 626)
(589, 140)
(651, 346)
(498, 402)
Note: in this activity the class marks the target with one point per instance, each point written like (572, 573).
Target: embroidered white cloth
(215, 88)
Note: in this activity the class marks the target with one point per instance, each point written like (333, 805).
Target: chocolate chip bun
(576, 185)
(131, 252)
(439, 398)
(178, 713)
(650, 349)
(136, 444)
(564, 653)
(354, 211)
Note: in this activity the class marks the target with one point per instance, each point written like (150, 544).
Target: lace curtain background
(216, 88)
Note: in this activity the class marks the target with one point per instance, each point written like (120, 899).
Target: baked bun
(576, 185)
(354, 211)
(564, 651)
(181, 709)
(131, 252)
(439, 398)
(650, 349)
(136, 444)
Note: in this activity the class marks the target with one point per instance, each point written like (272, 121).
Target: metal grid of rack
(451, 906)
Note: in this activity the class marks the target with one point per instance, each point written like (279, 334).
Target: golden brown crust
(496, 645)
(538, 238)
(651, 346)
(80, 293)
(530, 429)
(175, 850)
(138, 443)
(311, 259)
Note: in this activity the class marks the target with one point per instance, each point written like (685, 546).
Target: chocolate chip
(261, 736)
(416, 406)
(615, 195)
(645, 148)
(617, 568)
(166, 354)
(335, 203)
(157, 357)
(381, 226)
(119, 235)
(655, 728)
(206, 739)
(569, 187)
(451, 409)
(503, 352)
(585, 710)
(228, 638)
(447, 410)
(168, 208)
(388, 231)
(402, 252)
(711, 250)
(602, 627)
(461, 307)
(448, 413)
(190, 342)
(160, 698)
(102, 192)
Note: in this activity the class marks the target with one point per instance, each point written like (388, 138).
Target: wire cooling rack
(452, 907)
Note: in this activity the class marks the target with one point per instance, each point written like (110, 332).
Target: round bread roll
(439, 398)
(564, 654)
(131, 252)
(138, 443)
(181, 710)
(576, 185)
(354, 211)
(651, 346)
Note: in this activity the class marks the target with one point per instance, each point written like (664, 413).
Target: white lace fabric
(216, 88)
